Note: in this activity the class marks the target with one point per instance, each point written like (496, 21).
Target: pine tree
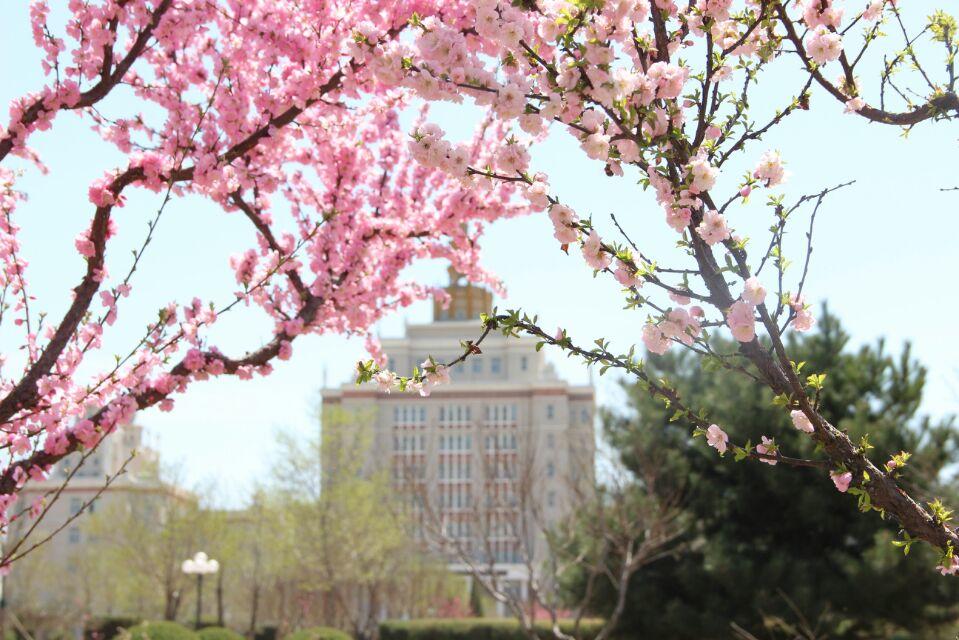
(772, 550)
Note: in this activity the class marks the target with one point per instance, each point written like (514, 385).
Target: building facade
(491, 461)
(31, 588)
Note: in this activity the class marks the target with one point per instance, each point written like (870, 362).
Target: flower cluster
(339, 201)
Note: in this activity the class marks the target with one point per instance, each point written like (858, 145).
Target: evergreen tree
(772, 551)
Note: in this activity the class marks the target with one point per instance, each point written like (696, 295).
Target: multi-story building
(82, 491)
(489, 461)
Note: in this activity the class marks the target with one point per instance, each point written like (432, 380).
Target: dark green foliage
(161, 630)
(779, 546)
(218, 633)
(476, 629)
(318, 633)
(266, 633)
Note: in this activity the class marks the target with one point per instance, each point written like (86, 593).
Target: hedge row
(478, 629)
(318, 633)
(130, 629)
(218, 633)
(161, 630)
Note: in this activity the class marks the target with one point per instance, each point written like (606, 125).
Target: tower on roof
(467, 301)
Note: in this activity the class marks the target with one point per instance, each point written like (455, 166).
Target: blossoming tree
(271, 111)
(287, 113)
(660, 90)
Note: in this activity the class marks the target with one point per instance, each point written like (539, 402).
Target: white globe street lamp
(199, 565)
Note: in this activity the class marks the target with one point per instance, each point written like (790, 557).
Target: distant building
(507, 441)
(61, 552)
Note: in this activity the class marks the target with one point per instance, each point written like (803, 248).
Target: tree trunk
(254, 607)
(219, 598)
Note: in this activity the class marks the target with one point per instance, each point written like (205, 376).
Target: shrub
(108, 628)
(161, 631)
(478, 629)
(218, 633)
(318, 633)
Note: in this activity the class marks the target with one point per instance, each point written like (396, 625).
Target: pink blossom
(440, 375)
(702, 173)
(821, 13)
(194, 360)
(713, 228)
(873, 11)
(680, 325)
(678, 218)
(593, 252)
(741, 321)
(801, 421)
(654, 339)
(754, 292)
(679, 298)
(823, 45)
(668, 78)
(952, 568)
(563, 220)
(854, 105)
(538, 195)
(385, 380)
(84, 245)
(770, 169)
(626, 275)
(804, 319)
(717, 438)
(100, 194)
(841, 479)
(596, 146)
(767, 447)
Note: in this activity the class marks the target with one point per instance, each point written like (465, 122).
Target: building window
(584, 416)
(74, 535)
(550, 469)
(551, 499)
(75, 505)
(550, 411)
(495, 365)
(550, 440)
(477, 365)
(524, 363)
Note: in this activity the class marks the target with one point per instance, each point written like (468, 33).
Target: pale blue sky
(885, 260)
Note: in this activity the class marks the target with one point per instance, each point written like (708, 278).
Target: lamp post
(199, 565)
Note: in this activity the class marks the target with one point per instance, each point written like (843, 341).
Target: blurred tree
(138, 543)
(346, 554)
(772, 552)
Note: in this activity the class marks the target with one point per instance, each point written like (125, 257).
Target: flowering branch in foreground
(664, 93)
